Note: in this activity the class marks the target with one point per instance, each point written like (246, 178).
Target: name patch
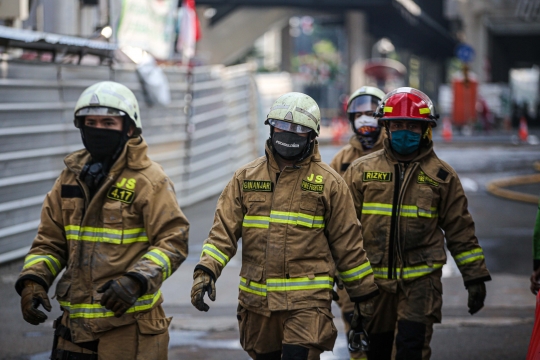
(378, 176)
(123, 195)
(424, 179)
(257, 185)
(307, 186)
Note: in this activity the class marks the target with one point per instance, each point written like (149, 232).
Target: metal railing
(199, 139)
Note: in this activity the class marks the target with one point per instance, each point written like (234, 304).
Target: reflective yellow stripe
(52, 263)
(94, 311)
(408, 272)
(303, 283)
(252, 287)
(405, 210)
(424, 111)
(284, 217)
(469, 256)
(160, 258)
(356, 273)
(388, 109)
(360, 358)
(217, 254)
(106, 235)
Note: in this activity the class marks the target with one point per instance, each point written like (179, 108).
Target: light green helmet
(108, 98)
(358, 101)
(296, 108)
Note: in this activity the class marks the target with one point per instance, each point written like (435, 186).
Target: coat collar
(133, 157)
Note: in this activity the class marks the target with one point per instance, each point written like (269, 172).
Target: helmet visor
(290, 127)
(99, 110)
(363, 103)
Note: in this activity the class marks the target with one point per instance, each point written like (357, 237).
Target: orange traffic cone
(523, 132)
(447, 130)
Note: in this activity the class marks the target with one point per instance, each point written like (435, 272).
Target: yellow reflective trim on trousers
(52, 263)
(360, 358)
(469, 256)
(405, 210)
(161, 259)
(215, 253)
(303, 283)
(408, 272)
(95, 311)
(252, 287)
(106, 235)
(356, 273)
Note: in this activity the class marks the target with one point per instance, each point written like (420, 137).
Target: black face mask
(101, 143)
(288, 145)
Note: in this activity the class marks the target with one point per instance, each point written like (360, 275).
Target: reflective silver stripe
(283, 217)
(261, 222)
(46, 258)
(309, 115)
(213, 251)
(163, 261)
(284, 283)
(133, 236)
(356, 273)
(253, 286)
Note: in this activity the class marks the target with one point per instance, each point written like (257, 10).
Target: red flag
(190, 29)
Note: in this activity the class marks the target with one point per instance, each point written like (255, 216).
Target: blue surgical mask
(405, 142)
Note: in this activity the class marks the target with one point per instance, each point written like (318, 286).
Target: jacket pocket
(62, 289)
(327, 332)
(112, 216)
(419, 226)
(72, 211)
(152, 338)
(375, 258)
(309, 202)
(425, 197)
(252, 289)
(256, 204)
(309, 268)
(429, 256)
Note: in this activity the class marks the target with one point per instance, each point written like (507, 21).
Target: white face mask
(365, 120)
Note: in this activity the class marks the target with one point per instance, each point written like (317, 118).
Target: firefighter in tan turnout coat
(113, 223)
(296, 219)
(409, 201)
(367, 138)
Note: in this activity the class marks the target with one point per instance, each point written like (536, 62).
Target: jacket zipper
(398, 200)
(393, 221)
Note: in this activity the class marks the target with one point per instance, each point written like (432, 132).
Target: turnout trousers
(400, 322)
(148, 338)
(347, 310)
(293, 334)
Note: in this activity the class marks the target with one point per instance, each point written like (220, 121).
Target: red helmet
(407, 103)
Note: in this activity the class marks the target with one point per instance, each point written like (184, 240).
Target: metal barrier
(199, 153)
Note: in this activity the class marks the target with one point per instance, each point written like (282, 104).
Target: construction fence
(207, 131)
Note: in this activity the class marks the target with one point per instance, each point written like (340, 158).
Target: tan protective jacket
(353, 151)
(405, 211)
(133, 224)
(293, 226)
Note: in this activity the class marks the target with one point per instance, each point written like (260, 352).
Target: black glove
(202, 282)
(120, 294)
(339, 283)
(358, 338)
(32, 295)
(477, 295)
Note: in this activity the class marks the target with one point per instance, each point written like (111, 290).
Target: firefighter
(367, 138)
(410, 201)
(296, 219)
(113, 223)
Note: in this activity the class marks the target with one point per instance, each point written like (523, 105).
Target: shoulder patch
(122, 195)
(377, 176)
(71, 191)
(257, 185)
(424, 179)
(345, 166)
(442, 174)
(308, 186)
